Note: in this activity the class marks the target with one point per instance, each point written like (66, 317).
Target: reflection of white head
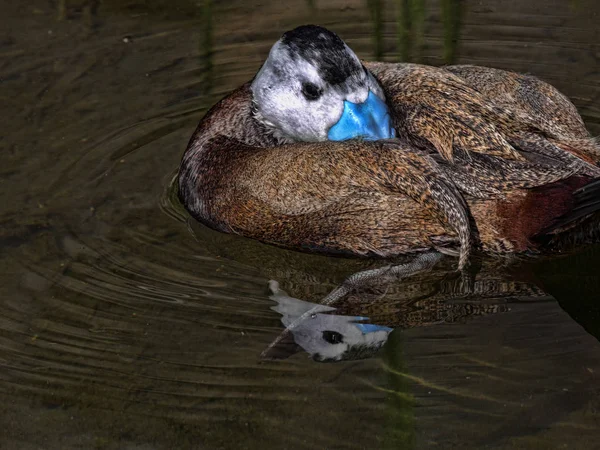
(327, 337)
(300, 90)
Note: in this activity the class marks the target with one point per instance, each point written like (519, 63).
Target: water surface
(125, 325)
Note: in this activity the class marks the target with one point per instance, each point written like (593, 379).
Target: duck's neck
(263, 126)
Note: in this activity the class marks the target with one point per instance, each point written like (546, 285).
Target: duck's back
(549, 109)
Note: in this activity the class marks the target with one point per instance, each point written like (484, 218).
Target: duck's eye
(311, 91)
(333, 337)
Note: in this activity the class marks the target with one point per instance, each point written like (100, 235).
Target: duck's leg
(387, 274)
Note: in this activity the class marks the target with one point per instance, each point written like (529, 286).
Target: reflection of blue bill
(371, 328)
(324, 335)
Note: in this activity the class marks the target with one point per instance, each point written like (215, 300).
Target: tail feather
(586, 201)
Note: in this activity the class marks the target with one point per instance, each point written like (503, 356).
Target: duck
(324, 152)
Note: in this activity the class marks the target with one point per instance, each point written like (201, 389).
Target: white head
(301, 90)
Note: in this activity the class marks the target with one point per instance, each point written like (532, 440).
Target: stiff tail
(586, 201)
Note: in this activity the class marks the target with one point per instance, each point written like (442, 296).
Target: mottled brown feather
(485, 159)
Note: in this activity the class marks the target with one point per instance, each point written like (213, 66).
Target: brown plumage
(484, 159)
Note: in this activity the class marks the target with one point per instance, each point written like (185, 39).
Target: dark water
(123, 325)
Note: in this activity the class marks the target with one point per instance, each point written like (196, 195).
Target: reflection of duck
(325, 336)
(483, 158)
(337, 328)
